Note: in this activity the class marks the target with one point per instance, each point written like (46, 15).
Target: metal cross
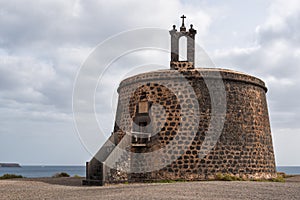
(183, 19)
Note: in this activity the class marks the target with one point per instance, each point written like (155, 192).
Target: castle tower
(187, 123)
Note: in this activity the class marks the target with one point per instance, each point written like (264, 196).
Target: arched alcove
(183, 48)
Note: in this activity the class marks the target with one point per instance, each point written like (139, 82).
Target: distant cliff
(9, 165)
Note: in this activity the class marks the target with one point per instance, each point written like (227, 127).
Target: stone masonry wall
(244, 148)
(181, 65)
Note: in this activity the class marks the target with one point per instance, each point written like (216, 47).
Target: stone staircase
(117, 164)
(95, 168)
(110, 163)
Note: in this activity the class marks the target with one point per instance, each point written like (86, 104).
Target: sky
(43, 45)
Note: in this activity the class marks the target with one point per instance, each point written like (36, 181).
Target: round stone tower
(187, 123)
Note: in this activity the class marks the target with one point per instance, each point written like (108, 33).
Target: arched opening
(183, 48)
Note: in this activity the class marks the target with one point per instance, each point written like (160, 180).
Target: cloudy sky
(44, 43)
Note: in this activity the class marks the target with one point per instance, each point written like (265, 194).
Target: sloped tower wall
(244, 147)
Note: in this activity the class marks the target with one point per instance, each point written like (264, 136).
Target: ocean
(43, 171)
(291, 170)
(49, 171)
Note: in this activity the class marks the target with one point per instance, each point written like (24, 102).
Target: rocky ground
(70, 188)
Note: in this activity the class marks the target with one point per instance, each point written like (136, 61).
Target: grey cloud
(273, 59)
(47, 41)
(288, 31)
(30, 23)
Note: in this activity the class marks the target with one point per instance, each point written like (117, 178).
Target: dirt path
(69, 188)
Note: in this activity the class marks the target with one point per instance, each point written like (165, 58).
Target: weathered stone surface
(244, 147)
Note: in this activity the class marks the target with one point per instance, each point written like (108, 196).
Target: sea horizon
(39, 171)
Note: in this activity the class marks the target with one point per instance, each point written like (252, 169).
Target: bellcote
(175, 36)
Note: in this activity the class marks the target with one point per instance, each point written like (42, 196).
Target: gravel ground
(69, 188)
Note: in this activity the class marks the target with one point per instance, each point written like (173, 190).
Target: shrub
(284, 175)
(225, 177)
(228, 177)
(76, 176)
(60, 175)
(165, 181)
(279, 178)
(10, 176)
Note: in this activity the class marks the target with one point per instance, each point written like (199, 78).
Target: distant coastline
(10, 165)
(43, 171)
